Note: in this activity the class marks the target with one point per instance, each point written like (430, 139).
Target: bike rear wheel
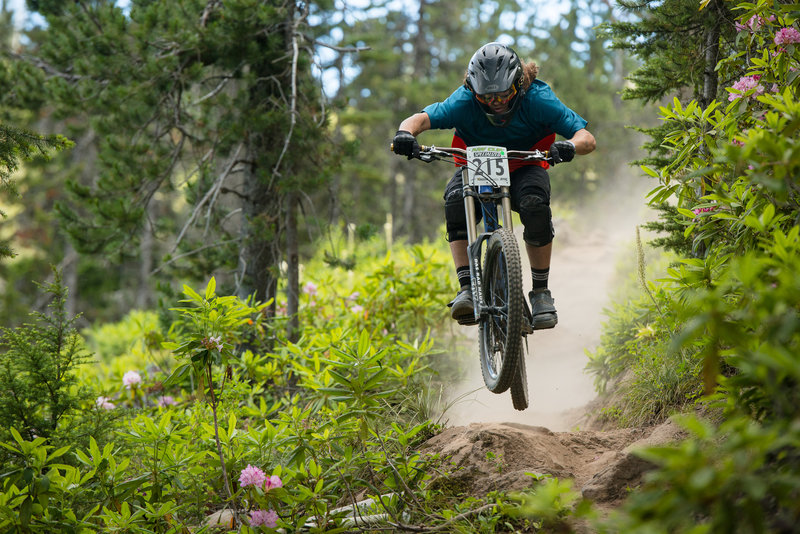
(501, 325)
(519, 386)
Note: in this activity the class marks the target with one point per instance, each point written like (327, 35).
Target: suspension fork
(473, 244)
(475, 241)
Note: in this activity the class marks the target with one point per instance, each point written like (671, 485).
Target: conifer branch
(210, 196)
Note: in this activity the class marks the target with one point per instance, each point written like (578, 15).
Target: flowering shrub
(746, 84)
(166, 400)
(787, 36)
(731, 304)
(266, 518)
(251, 476)
(334, 412)
(131, 379)
(104, 403)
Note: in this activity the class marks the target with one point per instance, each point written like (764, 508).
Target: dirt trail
(493, 446)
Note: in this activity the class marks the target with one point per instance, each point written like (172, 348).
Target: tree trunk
(146, 260)
(710, 81)
(293, 268)
(259, 254)
(710, 78)
(411, 218)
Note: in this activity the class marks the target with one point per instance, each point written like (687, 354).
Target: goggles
(500, 98)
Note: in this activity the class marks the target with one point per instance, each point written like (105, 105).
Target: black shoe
(461, 308)
(542, 309)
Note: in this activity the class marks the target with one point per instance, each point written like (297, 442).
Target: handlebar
(431, 153)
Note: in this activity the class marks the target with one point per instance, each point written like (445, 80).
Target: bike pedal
(527, 328)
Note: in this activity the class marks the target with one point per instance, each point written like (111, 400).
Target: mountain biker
(502, 103)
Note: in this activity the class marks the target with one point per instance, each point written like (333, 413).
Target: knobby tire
(519, 387)
(501, 333)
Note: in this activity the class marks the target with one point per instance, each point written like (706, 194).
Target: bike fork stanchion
(473, 245)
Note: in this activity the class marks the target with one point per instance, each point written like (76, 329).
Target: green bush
(740, 477)
(734, 304)
(332, 416)
(42, 395)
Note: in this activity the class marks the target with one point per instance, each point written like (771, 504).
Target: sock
(540, 277)
(463, 276)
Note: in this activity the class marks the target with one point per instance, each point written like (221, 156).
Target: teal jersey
(540, 114)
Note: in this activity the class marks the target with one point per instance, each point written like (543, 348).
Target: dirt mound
(482, 457)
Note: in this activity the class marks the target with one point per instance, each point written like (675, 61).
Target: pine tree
(38, 363)
(679, 44)
(210, 101)
(17, 145)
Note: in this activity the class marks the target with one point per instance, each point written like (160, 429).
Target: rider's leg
(456, 222)
(458, 249)
(530, 196)
(539, 258)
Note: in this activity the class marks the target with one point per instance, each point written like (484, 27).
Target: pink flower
(251, 476)
(268, 518)
(212, 342)
(104, 403)
(746, 83)
(310, 289)
(273, 482)
(698, 211)
(357, 309)
(787, 36)
(755, 22)
(131, 379)
(166, 400)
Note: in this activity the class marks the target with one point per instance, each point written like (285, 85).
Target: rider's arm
(583, 140)
(416, 123)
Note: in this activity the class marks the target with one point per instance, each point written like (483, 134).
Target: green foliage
(667, 36)
(650, 376)
(38, 365)
(39, 494)
(733, 302)
(124, 345)
(328, 415)
(669, 224)
(550, 504)
(740, 477)
(17, 145)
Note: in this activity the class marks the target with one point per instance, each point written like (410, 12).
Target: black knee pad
(536, 217)
(454, 214)
(455, 217)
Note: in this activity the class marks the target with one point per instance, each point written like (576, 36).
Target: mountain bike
(501, 309)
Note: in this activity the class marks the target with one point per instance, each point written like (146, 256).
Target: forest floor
(494, 447)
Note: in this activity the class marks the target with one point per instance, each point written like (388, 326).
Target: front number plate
(488, 165)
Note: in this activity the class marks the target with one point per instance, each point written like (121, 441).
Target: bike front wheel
(503, 311)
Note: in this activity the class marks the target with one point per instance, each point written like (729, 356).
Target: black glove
(562, 151)
(405, 144)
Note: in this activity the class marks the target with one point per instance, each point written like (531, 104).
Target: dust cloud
(586, 252)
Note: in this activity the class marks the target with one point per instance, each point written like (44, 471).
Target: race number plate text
(488, 166)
